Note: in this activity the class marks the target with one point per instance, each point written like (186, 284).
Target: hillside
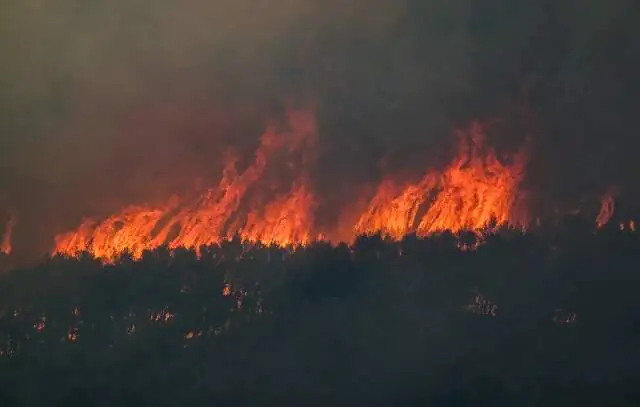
(547, 318)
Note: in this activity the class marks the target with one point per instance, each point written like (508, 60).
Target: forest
(519, 319)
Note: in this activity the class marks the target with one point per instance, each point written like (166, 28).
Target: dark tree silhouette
(546, 318)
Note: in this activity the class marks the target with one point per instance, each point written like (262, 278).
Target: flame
(392, 212)
(218, 213)
(607, 207)
(476, 192)
(286, 221)
(5, 245)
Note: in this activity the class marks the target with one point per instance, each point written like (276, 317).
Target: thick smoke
(105, 103)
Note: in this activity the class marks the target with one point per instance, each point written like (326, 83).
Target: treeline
(548, 318)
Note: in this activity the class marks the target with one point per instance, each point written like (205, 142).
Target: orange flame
(5, 245)
(474, 192)
(286, 221)
(215, 215)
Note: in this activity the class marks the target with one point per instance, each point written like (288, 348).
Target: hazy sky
(99, 99)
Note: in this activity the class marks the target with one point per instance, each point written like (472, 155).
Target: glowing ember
(73, 335)
(164, 315)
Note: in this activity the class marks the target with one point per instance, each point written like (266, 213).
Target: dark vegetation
(544, 319)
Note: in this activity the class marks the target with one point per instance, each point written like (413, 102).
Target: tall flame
(474, 192)
(218, 213)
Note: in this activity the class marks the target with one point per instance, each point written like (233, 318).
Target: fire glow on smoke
(6, 246)
(475, 192)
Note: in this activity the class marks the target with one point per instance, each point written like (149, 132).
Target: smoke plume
(110, 103)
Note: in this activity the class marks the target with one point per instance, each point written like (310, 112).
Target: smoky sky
(100, 100)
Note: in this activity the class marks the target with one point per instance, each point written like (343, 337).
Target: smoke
(105, 103)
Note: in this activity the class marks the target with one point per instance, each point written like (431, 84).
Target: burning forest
(455, 257)
(372, 202)
(475, 192)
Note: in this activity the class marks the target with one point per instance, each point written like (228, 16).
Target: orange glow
(5, 244)
(285, 222)
(475, 192)
(218, 213)
(607, 207)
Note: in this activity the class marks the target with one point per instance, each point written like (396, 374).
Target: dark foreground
(537, 320)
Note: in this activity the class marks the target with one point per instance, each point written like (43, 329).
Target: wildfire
(5, 245)
(219, 213)
(476, 192)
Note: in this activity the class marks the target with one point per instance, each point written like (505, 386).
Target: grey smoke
(100, 100)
